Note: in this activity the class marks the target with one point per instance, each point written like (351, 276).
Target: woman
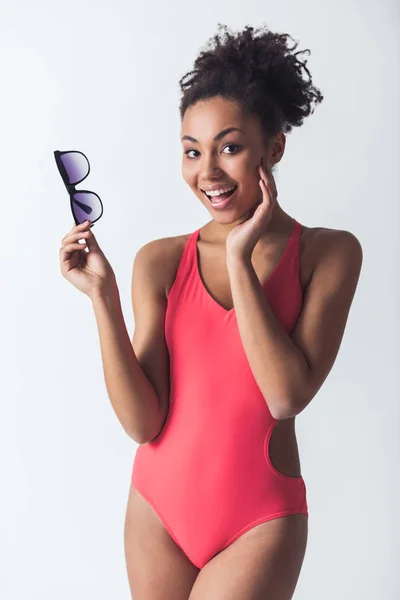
(237, 325)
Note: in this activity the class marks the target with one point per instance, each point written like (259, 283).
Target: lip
(224, 202)
(211, 188)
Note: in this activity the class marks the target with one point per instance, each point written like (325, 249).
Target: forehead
(206, 118)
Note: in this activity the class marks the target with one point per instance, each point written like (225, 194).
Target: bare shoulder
(320, 243)
(164, 255)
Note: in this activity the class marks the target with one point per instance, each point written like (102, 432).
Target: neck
(280, 221)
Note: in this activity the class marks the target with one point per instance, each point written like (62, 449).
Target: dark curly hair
(260, 73)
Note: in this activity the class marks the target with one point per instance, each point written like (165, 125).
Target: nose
(209, 168)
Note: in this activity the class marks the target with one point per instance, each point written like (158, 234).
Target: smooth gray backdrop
(102, 77)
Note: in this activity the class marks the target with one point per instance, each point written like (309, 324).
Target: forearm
(278, 366)
(132, 396)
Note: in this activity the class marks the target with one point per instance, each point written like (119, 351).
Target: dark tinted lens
(76, 166)
(86, 205)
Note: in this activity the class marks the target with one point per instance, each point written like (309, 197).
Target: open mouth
(220, 197)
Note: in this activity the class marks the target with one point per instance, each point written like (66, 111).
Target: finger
(66, 251)
(271, 180)
(268, 197)
(269, 177)
(84, 225)
(80, 229)
(75, 235)
(91, 241)
(265, 190)
(273, 184)
(270, 184)
(264, 175)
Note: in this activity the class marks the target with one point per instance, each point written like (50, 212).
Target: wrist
(106, 293)
(237, 260)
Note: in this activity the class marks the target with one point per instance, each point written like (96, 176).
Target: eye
(187, 152)
(232, 146)
(227, 146)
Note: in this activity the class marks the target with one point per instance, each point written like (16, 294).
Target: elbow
(150, 436)
(147, 440)
(140, 435)
(143, 437)
(288, 414)
(140, 439)
(135, 436)
(289, 409)
(292, 403)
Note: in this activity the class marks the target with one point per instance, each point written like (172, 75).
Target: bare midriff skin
(147, 544)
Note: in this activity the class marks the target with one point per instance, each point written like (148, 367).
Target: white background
(102, 77)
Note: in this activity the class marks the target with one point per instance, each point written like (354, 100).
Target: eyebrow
(219, 135)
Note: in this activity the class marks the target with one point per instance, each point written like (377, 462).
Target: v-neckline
(264, 284)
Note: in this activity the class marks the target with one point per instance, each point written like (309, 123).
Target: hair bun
(258, 69)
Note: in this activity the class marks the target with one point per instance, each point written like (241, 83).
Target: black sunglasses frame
(71, 189)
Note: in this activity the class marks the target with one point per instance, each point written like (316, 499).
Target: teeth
(221, 191)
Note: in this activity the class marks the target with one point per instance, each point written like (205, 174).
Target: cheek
(188, 174)
(246, 168)
(250, 188)
(250, 178)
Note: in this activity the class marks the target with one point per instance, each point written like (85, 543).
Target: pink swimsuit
(208, 474)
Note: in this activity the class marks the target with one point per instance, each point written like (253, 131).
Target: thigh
(264, 563)
(157, 567)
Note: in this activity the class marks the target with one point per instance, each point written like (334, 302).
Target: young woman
(237, 326)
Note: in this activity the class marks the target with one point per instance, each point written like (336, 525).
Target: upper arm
(327, 301)
(149, 308)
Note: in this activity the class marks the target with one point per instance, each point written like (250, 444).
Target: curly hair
(260, 73)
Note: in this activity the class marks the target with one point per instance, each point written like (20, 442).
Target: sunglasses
(74, 167)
